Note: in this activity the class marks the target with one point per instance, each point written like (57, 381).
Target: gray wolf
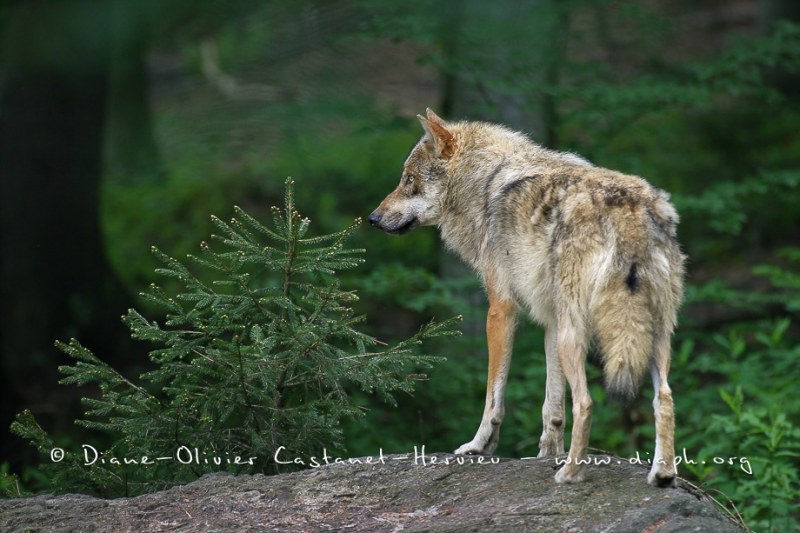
(589, 253)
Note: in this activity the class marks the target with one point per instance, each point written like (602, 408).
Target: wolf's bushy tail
(624, 327)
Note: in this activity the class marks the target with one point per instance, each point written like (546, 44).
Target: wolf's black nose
(374, 218)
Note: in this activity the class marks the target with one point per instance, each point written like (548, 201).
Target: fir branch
(245, 395)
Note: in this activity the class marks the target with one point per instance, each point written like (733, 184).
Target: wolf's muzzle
(374, 218)
(390, 224)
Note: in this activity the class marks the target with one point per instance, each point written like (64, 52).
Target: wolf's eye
(409, 179)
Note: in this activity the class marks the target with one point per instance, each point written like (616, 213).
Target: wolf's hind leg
(500, 324)
(663, 473)
(572, 347)
(552, 441)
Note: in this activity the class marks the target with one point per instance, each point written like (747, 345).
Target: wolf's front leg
(500, 323)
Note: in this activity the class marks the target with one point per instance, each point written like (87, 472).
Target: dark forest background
(126, 123)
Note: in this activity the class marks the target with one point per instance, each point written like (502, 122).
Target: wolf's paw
(570, 474)
(550, 447)
(662, 477)
(473, 448)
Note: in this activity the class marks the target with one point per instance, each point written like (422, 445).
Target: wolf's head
(417, 199)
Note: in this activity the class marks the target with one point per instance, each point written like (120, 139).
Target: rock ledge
(396, 495)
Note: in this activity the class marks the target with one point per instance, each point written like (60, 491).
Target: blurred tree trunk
(131, 147)
(458, 101)
(506, 68)
(56, 282)
(772, 12)
(775, 10)
(475, 39)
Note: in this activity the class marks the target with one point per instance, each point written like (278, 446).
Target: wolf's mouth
(405, 228)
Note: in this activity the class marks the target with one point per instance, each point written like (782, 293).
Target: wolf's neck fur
(487, 158)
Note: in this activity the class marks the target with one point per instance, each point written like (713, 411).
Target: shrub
(262, 359)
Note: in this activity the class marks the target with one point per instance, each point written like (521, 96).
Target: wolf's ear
(433, 117)
(440, 139)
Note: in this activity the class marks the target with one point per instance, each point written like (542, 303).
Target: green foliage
(421, 289)
(9, 483)
(741, 71)
(726, 205)
(785, 280)
(765, 443)
(265, 356)
(749, 450)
